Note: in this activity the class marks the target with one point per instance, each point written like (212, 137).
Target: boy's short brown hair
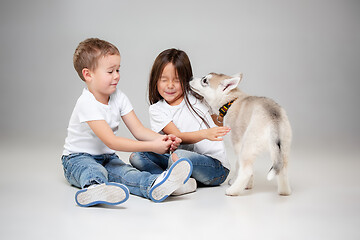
(88, 53)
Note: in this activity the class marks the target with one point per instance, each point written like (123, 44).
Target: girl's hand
(216, 133)
(175, 142)
(162, 144)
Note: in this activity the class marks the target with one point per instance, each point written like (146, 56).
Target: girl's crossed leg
(206, 170)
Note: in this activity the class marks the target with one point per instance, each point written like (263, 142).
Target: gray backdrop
(304, 54)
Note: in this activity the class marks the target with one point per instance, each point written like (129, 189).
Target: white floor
(37, 203)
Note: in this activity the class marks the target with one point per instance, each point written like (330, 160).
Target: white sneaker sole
(188, 187)
(106, 193)
(178, 174)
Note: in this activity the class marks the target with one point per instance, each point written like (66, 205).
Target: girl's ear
(86, 73)
(231, 83)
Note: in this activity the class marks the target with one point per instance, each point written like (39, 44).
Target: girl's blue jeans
(206, 170)
(82, 170)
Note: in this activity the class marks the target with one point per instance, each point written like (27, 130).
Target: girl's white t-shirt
(161, 114)
(80, 138)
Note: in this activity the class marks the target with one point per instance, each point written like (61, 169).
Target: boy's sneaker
(107, 193)
(170, 180)
(188, 187)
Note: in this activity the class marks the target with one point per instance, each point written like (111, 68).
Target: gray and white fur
(257, 124)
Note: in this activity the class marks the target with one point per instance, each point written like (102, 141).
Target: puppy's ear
(240, 75)
(231, 83)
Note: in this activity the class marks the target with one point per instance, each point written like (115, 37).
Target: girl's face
(105, 78)
(169, 86)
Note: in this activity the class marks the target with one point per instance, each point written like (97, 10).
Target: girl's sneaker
(188, 187)
(107, 193)
(170, 180)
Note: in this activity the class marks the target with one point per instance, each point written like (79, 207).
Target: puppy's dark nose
(192, 78)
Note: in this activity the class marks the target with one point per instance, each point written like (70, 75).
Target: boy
(89, 158)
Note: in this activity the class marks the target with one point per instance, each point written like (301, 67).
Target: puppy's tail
(279, 141)
(278, 161)
(279, 151)
(273, 172)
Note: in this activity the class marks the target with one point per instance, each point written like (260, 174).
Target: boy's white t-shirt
(161, 114)
(80, 138)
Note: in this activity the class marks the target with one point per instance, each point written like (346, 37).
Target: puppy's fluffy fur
(257, 124)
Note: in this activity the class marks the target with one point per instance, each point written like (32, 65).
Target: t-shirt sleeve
(124, 103)
(88, 110)
(158, 118)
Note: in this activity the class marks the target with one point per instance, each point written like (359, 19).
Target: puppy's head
(215, 88)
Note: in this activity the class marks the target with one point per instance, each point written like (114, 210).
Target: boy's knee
(132, 158)
(135, 160)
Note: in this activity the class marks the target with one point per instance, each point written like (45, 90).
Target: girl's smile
(169, 86)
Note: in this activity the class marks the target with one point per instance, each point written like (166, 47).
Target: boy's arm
(213, 134)
(102, 130)
(142, 133)
(137, 129)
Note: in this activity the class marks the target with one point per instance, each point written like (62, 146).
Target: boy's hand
(216, 133)
(175, 142)
(162, 144)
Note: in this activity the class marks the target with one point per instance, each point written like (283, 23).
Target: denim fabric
(206, 170)
(82, 169)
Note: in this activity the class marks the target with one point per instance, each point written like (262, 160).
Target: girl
(177, 110)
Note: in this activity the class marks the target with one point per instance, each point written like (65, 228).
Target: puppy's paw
(250, 184)
(232, 192)
(284, 188)
(285, 192)
(231, 181)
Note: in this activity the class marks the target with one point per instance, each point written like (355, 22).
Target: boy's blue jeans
(206, 170)
(82, 170)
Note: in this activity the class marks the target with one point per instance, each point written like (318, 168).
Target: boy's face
(104, 79)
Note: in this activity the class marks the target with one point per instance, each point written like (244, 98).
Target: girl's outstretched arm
(213, 134)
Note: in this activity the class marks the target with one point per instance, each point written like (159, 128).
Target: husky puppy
(257, 124)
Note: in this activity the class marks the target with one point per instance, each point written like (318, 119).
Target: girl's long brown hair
(183, 68)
